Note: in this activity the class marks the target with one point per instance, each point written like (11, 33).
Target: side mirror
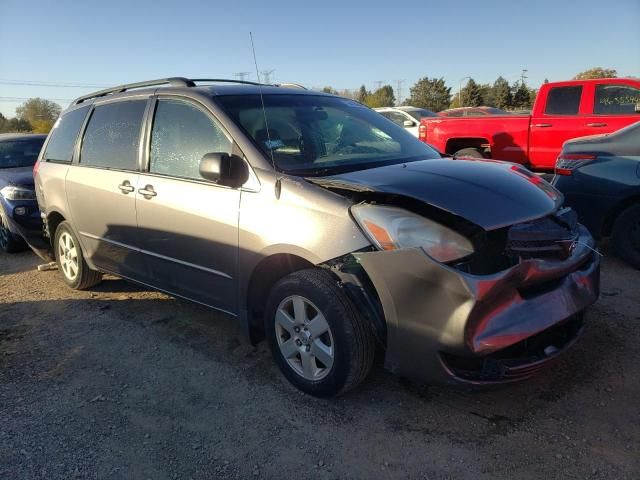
(409, 123)
(224, 169)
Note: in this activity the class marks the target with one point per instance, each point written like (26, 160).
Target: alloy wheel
(68, 256)
(304, 337)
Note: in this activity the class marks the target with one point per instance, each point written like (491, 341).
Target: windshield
(421, 113)
(322, 135)
(20, 153)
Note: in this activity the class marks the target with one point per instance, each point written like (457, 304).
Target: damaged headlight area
(392, 228)
(11, 192)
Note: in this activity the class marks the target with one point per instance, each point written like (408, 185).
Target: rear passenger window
(616, 99)
(112, 136)
(181, 135)
(563, 101)
(64, 135)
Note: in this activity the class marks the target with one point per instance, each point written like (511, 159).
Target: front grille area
(554, 235)
(518, 361)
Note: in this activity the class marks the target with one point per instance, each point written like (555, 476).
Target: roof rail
(173, 81)
(291, 85)
(224, 80)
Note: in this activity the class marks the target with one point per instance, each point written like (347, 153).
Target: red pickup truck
(562, 110)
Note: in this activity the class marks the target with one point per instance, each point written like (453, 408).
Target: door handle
(596, 124)
(126, 187)
(147, 192)
(543, 125)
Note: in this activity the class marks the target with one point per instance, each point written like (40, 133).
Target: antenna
(264, 111)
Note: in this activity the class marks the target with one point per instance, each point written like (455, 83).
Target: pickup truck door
(613, 106)
(560, 121)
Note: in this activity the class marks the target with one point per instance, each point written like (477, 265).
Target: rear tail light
(568, 162)
(422, 132)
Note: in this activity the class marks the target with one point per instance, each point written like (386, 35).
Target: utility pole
(523, 75)
(379, 84)
(242, 76)
(266, 76)
(399, 84)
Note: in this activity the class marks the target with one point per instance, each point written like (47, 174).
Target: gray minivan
(324, 227)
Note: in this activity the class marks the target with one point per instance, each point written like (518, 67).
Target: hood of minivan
(490, 194)
(17, 176)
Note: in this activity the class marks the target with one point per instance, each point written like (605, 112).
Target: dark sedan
(600, 179)
(20, 221)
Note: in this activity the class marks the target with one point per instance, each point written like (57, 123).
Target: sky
(342, 44)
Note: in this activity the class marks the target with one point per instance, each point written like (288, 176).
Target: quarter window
(64, 135)
(181, 135)
(616, 99)
(112, 137)
(563, 101)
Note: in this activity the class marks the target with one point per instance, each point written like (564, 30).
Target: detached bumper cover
(434, 311)
(28, 225)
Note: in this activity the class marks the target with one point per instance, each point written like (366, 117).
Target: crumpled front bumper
(435, 313)
(27, 226)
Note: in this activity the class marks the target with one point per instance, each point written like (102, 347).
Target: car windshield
(19, 153)
(421, 113)
(316, 135)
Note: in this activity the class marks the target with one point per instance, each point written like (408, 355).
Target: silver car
(322, 226)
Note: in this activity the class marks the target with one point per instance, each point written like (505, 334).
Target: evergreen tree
(430, 93)
(362, 94)
(502, 93)
(383, 97)
(521, 95)
(471, 94)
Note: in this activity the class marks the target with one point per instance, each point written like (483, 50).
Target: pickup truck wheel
(319, 341)
(9, 243)
(469, 153)
(625, 236)
(75, 271)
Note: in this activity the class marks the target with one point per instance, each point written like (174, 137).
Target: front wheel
(625, 236)
(322, 345)
(71, 263)
(9, 243)
(469, 153)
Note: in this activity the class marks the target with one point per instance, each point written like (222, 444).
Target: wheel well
(53, 220)
(610, 219)
(455, 144)
(266, 274)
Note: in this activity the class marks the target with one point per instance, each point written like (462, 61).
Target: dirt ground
(120, 382)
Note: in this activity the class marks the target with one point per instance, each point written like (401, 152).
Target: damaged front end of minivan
(512, 304)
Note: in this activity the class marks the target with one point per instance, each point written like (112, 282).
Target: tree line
(433, 93)
(37, 115)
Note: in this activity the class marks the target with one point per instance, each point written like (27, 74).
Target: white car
(407, 117)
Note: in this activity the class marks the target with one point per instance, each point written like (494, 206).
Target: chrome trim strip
(157, 255)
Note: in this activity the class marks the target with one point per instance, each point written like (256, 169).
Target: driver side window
(180, 136)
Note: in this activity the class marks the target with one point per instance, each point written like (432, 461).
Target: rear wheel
(322, 345)
(9, 243)
(75, 271)
(469, 153)
(625, 236)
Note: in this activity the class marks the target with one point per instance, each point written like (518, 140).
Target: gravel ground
(121, 382)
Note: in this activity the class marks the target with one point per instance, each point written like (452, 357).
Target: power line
(22, 99)
(399, 84)
(36, 83)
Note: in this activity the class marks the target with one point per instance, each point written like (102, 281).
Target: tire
(333, 350)
(71, 263)
(469, 153)
(625, 236)
(9, 243)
